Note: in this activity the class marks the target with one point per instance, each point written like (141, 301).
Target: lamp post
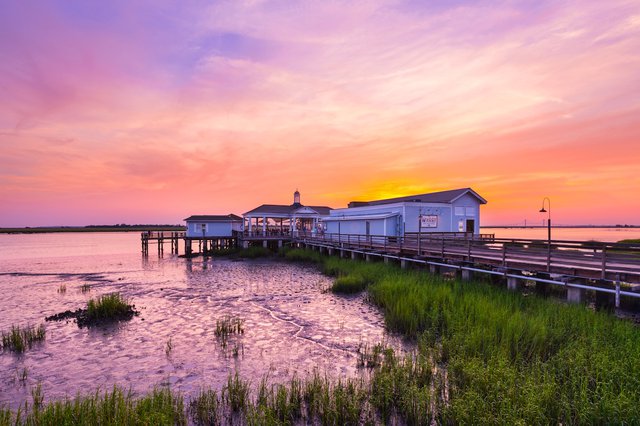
(542, 210)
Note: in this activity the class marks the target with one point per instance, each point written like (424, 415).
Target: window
(470, 211)
(459, 211)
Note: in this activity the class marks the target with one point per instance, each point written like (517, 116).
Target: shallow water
(292, 325)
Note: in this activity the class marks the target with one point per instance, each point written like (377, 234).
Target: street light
(542, 210)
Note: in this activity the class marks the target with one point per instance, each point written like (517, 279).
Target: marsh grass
(106, 308)
(85, 288)
(254, 253)
(115, 407)
(226, 327)
(19, 339)
(371, 356)
(62, 289)
(349, 284)
(499, 354)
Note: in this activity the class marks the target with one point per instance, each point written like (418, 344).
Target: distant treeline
(92, 228)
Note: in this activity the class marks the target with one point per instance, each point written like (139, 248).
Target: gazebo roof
(279, 209)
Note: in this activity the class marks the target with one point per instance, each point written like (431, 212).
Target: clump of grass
(204, 408)
(85, 288)
(19, 339)
(371, 356)
(349, 284)
(101, 310)
(226, 327)
(235, 394)
(300, 255)
(109, 307)
(62, 289)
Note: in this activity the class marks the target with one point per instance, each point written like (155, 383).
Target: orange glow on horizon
(105, 118)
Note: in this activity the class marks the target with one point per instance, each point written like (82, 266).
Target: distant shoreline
(92, 228)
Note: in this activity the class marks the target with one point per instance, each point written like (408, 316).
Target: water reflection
(292, 324)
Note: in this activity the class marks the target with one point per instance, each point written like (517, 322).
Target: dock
(609, 269)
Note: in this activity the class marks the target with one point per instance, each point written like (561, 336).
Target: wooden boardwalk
(606, 268)
(612, 262)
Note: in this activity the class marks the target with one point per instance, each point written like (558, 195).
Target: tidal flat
(291, 324)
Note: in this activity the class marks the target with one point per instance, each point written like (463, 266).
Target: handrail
(589, 259)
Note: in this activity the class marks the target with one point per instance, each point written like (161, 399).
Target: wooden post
(419, 235)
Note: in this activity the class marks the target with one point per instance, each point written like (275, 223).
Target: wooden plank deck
(613, 262)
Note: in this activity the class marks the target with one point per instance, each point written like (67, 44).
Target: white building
(213, 225)
(456, 210)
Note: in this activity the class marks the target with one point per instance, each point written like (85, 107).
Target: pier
(610, 269)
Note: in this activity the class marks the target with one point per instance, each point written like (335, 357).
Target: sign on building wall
(460, 226)
(429, 221)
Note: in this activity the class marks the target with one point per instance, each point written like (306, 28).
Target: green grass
(508, 358)
(630, 241)
(115, 407)
(226, 327)
(351, 277)
(254, 253)
(349, 284)
(19, 339)
(108, 306)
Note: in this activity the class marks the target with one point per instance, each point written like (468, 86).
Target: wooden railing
(163, 234)
(587, 259)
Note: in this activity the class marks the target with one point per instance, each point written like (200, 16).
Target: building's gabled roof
(214, 218)
(432, 197)
(286, 209)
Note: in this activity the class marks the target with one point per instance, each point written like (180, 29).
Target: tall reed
(19, 339)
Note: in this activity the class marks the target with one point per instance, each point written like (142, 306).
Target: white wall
(213, 229)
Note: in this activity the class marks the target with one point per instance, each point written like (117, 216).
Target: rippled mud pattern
(291, 325)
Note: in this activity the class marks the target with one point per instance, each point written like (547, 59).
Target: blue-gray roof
(214, 218)
(432, 197)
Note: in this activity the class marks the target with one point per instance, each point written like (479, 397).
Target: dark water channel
(292, 324)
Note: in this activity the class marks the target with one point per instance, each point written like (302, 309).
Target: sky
(150, 111)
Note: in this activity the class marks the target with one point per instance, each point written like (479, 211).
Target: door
(471, 226)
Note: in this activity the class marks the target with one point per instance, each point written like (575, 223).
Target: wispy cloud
(228, 104)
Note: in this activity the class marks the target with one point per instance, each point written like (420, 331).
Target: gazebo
(284, 220)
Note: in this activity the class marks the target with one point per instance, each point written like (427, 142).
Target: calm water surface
(292, 325)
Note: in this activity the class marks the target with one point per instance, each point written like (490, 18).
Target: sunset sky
(150, 111)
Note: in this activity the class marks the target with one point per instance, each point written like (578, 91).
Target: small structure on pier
(208, 226)
(278, 220)
(456, 210)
